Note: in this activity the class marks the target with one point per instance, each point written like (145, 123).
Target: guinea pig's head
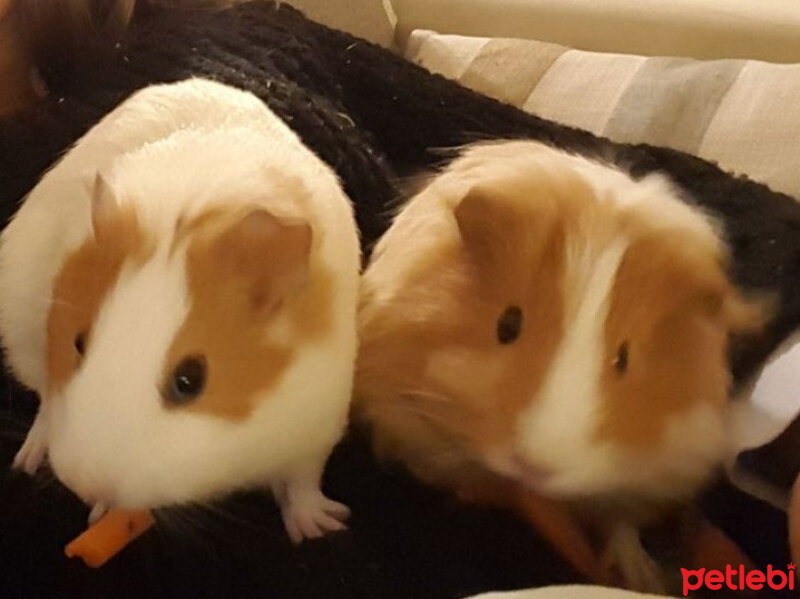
(554, 320)
(168, 351)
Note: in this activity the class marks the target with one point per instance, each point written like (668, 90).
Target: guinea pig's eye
(187, 380)
(621, 359)
(80, 343)
(509, 325)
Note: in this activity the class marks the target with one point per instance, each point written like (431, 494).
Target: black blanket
(374, 118)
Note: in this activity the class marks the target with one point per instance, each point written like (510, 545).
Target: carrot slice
(552, 519)
(108, 536)
(556, 524)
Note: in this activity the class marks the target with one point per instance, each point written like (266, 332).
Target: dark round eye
(621, 359)
(80, 343)
(187, 380)
(509, 325)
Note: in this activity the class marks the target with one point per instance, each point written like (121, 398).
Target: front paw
(34, 450)
(308, 514)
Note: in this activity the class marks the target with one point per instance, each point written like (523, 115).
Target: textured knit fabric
(372, 117)
(370, 114)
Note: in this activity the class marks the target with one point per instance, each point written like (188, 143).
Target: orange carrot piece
(551, 518)
(556, 524)
(108, 536)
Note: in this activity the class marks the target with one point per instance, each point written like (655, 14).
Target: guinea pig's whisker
(59, 302)
(446, 458)
(183, 522)
(227, 516)
(219, 517)
(426, 395)
(435, 408)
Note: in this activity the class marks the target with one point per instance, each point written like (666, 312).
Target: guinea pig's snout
(89, 488)
(83, 472)
(533, 474)
(513, 464)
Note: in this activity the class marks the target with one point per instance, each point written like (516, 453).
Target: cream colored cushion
(374, 20)
(706, 29)
(573, 591)
(745, 115)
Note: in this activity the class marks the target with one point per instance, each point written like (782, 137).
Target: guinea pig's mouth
(511, 465)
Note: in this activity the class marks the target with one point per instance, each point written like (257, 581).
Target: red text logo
(736, 579)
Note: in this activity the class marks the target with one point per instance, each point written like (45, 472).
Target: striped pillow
(742, 114)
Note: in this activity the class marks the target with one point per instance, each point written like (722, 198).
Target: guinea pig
(181, 292)
(539, 321)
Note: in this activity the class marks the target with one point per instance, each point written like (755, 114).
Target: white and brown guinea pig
(181, 291)
(537, 317)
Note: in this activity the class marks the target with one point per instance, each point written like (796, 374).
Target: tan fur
(241, 270)
(676, 328)
(434, 384)
(85, 278)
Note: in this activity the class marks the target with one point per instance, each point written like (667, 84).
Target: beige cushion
(706, 29)
(573, 591)
(745, 115)
(374, 20)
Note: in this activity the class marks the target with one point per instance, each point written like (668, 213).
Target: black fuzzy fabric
(372, 117)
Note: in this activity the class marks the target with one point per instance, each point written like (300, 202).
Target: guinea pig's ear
(479, 215)
(105, 210)
(723, 302)
(270, 253)
(745, 315)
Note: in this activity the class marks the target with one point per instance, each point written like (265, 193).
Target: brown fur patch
(244, 270)
(85, 278)
(668, 305)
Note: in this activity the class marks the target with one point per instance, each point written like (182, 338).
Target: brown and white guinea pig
(541, 318)
(181, 291)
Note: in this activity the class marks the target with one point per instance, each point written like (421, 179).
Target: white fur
(173, 149)
(556, 431)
